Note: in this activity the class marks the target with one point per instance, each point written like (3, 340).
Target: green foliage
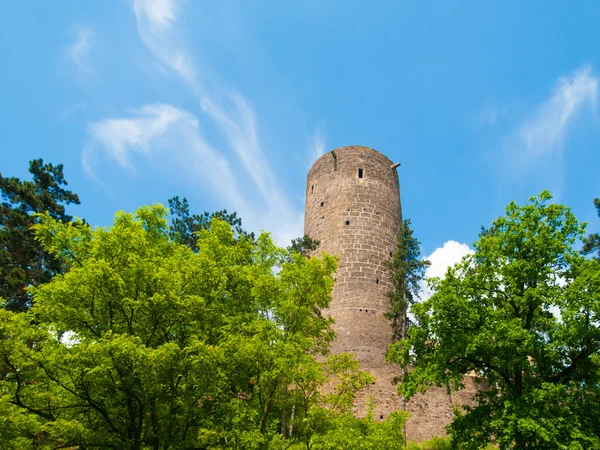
(325, 397)
(591, 244)
(350, 380)
(185, 226)
(16, 426)
(407, 271)
(346, 431)
(494, 315)
(146, 343)
(303, 245)
(438, 443)
(23, 262)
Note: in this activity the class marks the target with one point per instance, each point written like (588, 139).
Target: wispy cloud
(78, 53)
(169, 136)
(238, 125)
(160, 14)
(77, 107)
(230, 110)
(491, 115)
(155, 20)
(531, 151)
(262, 205)
(546, 130)
(316, 145)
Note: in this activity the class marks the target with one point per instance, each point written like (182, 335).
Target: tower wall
(356, 219)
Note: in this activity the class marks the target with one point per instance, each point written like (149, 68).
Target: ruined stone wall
(353, 208)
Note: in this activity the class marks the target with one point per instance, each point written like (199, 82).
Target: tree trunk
(292, 421)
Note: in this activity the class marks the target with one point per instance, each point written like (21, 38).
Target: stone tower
(353, 208)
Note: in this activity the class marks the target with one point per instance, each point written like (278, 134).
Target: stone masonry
(353, 208)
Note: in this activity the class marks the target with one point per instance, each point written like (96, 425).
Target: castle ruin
(353, 208)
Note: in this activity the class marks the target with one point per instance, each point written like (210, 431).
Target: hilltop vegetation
(146, 343)
(523, 313)
(192, 333)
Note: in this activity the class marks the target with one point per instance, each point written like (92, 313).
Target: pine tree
(23, 262)
(407, 271)
(591, 244)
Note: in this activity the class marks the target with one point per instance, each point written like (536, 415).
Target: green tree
(303, 245)
(326, 398)
(185, 226)
(318, 399)
(522, 313)
(347, 432)
(144, 343)
(407, 272)
(23, 262)
(591, 244)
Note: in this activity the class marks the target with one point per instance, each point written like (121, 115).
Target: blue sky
(228, 104)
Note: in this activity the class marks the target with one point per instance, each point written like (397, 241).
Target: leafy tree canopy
(23, 262)
(144, 343)
(522, 313)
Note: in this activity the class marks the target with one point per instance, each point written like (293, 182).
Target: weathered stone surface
(357, 219)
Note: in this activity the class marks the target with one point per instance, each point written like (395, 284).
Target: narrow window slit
(312, 189)
(347, 222)
(360, 173)
(322, 203)
(377, 281)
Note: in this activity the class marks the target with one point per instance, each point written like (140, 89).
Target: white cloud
(441, 258)
(78, 53)
(446, 256)
(546, 130)
(159, 14)
(169, 136)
